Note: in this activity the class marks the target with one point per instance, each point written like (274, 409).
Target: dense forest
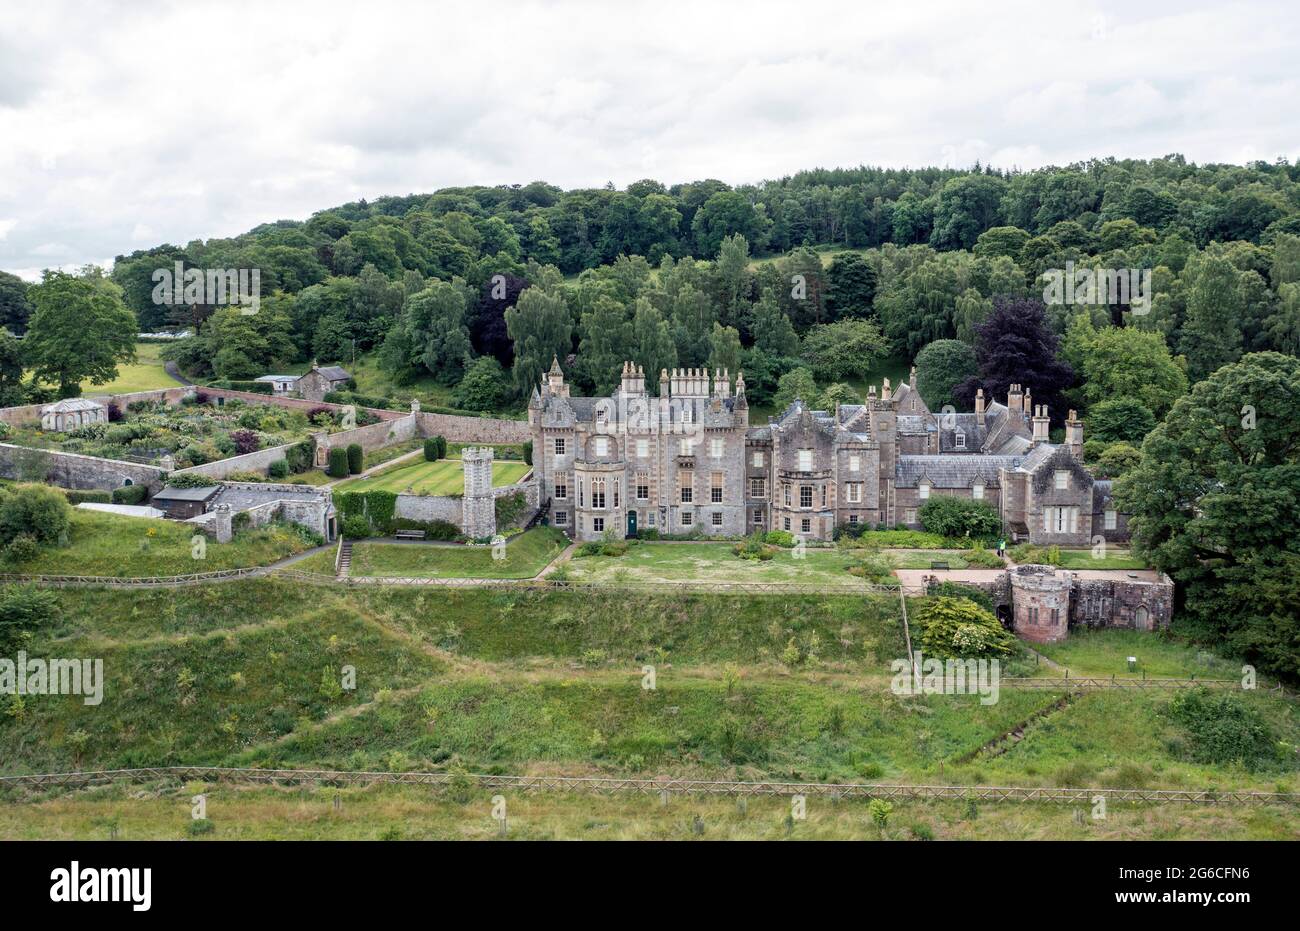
(808, 284)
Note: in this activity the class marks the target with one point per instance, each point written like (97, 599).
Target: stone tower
(478, 508)
(1040, 602)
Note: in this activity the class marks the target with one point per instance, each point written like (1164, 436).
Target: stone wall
(460, 429)
(374, 436)
(72, 470)
(429, 508)
(257, 461)
(31, 413)
(295, 403)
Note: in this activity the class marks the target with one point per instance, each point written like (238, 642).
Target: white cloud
(284, 109)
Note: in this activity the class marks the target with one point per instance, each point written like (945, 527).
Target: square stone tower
(478, 507)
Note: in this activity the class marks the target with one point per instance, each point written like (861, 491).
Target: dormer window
(959, 440)
(977, 491)
(923, 491)
(1062, 477)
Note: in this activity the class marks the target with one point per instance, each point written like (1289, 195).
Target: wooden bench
(409, 534)
(938, 564)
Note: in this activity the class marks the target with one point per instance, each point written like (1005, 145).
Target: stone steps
(345, 560)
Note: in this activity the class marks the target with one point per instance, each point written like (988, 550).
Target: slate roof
(333, 372)
(276, 378)
(913, 424)
(242, 498)
(172, 493)
(947, 471)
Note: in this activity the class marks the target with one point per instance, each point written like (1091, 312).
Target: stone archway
(1142, 618)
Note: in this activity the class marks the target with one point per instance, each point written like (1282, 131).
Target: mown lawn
(112, 545)
(678, 562)
(145, 374)
(1115, 558)
(522, 557)
(1106, 653)
(444, 477)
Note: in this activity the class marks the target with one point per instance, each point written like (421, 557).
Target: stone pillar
(478, 507)
(224, 523)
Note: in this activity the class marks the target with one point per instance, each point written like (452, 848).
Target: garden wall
(374, 436)
(430, 508)
(31, 413)
(72, 470)
(249, 462)
(461, 429)
(295, 403)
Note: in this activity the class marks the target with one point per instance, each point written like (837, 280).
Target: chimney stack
(979, 406)
(1040, 424)
(1074, 435)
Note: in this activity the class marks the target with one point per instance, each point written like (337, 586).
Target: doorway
(631, 524)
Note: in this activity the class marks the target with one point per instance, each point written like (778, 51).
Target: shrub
(591, 548)
(431, 450)
(355, 457)
(780, 538)
(22, 548)
(981, 558)
(190, 480)
(1223, 729)
(246, 441)
(38, 511)
(753, 547)
(130, 494)
(338, 463)
(874, 567)
(510, 508)
(278, 469)
(959, 517)
(970, 592)
(528, 452)
(356, 527)
(23, 609)
(960, 627)
(1039, 555)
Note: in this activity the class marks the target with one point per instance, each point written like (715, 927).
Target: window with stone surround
(559, 446)
(805, 460)
(805, 496)
(716, 518)
(687, 482)
(1062, 479)
(561, 491)
(715, 488)
(602, 446)
(717, 447)
(1111, 520)
(598, 494)
(642, 448)
(598, 524)
(758, 459)
(642, 486)
(758, 488)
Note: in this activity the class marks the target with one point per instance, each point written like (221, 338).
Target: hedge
(78, 496)
(338, 463)
(356, 455)
(130, 494)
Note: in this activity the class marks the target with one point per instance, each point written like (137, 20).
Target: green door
(631, 523)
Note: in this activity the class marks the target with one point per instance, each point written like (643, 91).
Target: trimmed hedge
(338, 463)
(355, 457)
(278, 469)
(130, 494)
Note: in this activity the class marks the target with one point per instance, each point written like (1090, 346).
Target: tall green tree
(844, 349)
(435, 324)
(1211, 336)
(541, 329)
(1123, 362)
(941, 367)
(655, 349)
(1215, 503)
(80, 330)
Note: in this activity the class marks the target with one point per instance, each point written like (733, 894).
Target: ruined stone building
(688, 459)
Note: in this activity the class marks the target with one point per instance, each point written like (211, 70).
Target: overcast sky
(125, 126)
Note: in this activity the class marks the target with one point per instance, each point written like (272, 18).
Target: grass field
(444, 477)
(534, 682)
(1115, 558)
(676, 562)
(399, 813)
(1106, 652)
(145, 374)
(112, 545)
(523, 557)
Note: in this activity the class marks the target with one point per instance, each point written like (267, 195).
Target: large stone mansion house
(689, 460)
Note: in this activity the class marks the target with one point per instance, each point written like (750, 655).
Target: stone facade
(688, 461)
(70, 413)
(73, 470)
(479, 505)
(1042, 603)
